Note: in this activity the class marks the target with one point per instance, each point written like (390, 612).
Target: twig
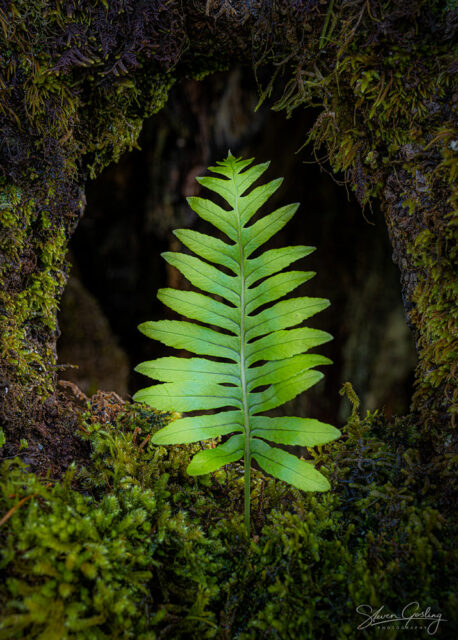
(8, 515)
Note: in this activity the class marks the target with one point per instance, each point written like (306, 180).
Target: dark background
(133, 207)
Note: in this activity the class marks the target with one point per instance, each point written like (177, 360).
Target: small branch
(8, 515)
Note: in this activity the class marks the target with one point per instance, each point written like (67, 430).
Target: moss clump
(80, 81)
(435, 253)
(32, 276)
(76, 86)
(382, 76)
(373, 541)
(132, 547)
(112, 559)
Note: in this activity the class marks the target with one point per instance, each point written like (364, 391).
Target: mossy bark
(36, 227)
(79, 82)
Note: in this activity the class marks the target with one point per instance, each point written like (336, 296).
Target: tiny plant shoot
(254, 360)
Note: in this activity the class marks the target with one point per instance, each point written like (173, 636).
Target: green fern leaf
(261, 355)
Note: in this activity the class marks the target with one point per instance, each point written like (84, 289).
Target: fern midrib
(246, 417)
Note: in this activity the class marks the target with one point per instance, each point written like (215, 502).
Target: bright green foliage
(249, 339)
(110, 560)
(135, 548)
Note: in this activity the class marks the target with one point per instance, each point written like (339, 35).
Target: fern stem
(246, 416)
(247, 497)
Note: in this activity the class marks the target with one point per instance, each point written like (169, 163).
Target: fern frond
(261, 355)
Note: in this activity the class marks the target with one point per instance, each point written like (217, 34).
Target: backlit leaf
(212, 459)
(255, 352)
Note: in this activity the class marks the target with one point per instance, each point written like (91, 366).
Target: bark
(79, 84)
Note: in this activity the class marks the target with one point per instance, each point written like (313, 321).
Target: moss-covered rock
(32, 276)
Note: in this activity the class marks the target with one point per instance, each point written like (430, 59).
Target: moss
(32, 276)
(375, 99)
(77, 84)
(132, 547)
(435, 253)
(372, 541)
(128, 105)
(80, 82)
(382, 78)
(110, 560)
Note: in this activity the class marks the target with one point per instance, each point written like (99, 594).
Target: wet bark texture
(78, 83)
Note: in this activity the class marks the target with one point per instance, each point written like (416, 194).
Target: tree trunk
(78, 84)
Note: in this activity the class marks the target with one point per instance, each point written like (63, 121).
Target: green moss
(74, 92)
(435, 254)
(31, 277)
(383, 79)
(73, 102)
(132, 547)
(373, 102)
(127, 105)
(112, 561)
